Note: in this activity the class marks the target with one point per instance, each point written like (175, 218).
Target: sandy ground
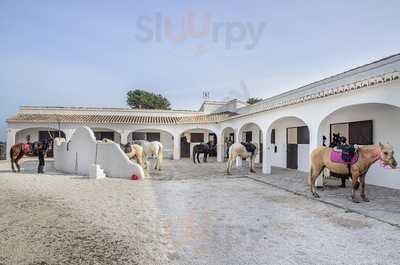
(187, 214)
(64, 219)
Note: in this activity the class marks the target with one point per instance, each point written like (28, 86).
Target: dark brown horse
(18, 151)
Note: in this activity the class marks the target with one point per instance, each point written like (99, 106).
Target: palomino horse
(367, 155)
(201, 149)
(135, 151)
(18, 151)
(153, 149)
(244, 151)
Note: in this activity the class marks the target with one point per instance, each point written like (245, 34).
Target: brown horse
(368, 155)
(18, 151)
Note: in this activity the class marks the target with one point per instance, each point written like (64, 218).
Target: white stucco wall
(386, 128)
(77, 155)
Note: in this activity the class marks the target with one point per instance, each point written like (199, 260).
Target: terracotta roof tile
(119, 119)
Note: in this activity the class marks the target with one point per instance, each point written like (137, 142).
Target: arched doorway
(39, 134)
(192, 137)
(289, 144)
(150, 135)
(252, 133)
(364, 124)
(228, 136)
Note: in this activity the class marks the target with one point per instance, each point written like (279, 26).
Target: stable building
(362, 104)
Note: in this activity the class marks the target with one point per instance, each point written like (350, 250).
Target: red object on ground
(134, 177)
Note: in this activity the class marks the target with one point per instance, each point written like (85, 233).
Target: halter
(382, 163)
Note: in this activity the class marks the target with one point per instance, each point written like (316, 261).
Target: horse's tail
(160, 153)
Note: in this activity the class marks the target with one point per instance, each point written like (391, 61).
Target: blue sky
(87, 53)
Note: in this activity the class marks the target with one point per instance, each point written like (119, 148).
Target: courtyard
(191, 214)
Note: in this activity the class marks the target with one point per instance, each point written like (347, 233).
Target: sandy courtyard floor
(184, 215)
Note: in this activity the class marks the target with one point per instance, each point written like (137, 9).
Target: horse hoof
(365, 199)
(252, 171)
(355, 200)
(316, 195)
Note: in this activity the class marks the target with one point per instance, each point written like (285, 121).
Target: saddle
(251, 148)
(345, 154)
(27, 148)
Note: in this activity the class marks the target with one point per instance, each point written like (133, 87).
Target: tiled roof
(118, 119)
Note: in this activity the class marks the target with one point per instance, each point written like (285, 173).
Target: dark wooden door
(153, 137)
(185, 148)
(249, 137)
(292, 156)
(104, 135)
(361, 132)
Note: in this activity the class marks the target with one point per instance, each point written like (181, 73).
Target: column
(220, 147)
(124, 136)
(11, 133)
(267, 155)
(313, 145)
(177, 146)
(238, 139)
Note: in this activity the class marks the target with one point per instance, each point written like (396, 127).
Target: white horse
(239, 150)
(153, 149)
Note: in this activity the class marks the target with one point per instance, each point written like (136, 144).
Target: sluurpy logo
(200, 28)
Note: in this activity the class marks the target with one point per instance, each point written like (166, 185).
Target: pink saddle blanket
(27, 148)
(337, 158)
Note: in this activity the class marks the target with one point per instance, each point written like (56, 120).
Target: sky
(91, 53)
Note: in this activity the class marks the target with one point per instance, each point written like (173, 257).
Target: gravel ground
(187, 214)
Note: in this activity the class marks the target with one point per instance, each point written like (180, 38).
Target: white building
(362, 103)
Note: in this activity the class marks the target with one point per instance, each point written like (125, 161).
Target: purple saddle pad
(337, 158)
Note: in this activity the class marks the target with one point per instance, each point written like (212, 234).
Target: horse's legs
(12, 164)
(315, 172)
(252, 158)
(16, 162)
(355, 184)
(198, 157)
(229, 164)
(205, 157)
(363, 195)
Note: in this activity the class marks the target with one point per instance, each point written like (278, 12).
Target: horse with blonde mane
(244, 151)
(367, 155)
(135, 151)
(152, 149)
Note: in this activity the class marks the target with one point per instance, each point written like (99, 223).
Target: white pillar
(11, 133)
(313, 145)
(220, 147)
(267, 153)
(177, 146)
(238, 139)
(124, 136)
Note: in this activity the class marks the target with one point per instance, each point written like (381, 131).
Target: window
(273, 141)
(197, 137)
(303, 135)
(153, 137)
(249, 136)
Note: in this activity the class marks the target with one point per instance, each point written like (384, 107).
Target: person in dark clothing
(41, 156)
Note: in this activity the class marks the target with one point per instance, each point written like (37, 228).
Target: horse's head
(127, 148)
(387, 155)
